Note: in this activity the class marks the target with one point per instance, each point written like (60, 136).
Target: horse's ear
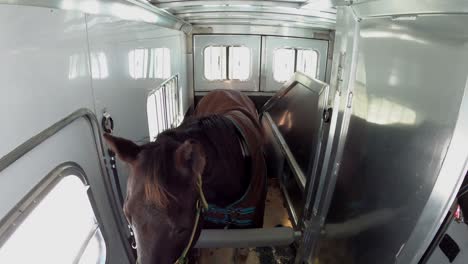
(125, 149)
(190, 158)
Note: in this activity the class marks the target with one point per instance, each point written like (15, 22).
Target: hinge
(340, 73)
(349, 103)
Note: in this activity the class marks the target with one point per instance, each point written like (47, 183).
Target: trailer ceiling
(319, 14)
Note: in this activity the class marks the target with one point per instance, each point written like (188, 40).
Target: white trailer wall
(121, 94)
(45, 75)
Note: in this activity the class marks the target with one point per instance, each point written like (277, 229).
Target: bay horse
(207, 173)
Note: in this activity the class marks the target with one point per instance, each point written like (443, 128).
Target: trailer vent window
(287, 61)
(306, 62)
(283, 66)
(154, 63)
(227, 63)
(64, 218)
(215, 63)
(239, 63)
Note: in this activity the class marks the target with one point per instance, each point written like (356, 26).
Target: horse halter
(201, 205)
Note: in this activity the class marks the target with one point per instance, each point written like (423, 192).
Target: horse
(209, 172)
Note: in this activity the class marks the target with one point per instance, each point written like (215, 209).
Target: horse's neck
(225, 179)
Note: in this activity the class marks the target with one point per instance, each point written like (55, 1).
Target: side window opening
(287, 61)
(227, 63)
(63, 217)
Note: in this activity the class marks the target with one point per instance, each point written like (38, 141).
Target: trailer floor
(275, 214)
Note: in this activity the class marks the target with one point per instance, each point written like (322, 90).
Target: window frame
(36, 195)
(227, 66)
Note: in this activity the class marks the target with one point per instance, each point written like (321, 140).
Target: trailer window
(154, 63)
(239, 63)
(215, 63)
(287, 61)
(283, 64)
(226, 63)
(62, 228)
(306, 62)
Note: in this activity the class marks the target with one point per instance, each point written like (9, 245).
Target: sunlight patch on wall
(77, 66)
(99, 66)
(393, 35)
(379, 110)
(152, 63)
(384, 112)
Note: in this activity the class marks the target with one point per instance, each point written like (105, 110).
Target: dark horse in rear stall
(207, 173)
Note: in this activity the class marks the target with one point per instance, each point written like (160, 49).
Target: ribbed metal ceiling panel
(287, 13)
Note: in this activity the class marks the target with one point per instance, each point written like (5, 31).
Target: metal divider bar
(240, 238)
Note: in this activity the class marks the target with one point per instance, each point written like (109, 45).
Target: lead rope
(200, 192)
(202, 204)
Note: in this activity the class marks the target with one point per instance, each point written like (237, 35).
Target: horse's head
(161, 194)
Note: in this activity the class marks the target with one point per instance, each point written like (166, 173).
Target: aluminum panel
(293, 119)
(254, 9)
(284, 14)
(298, 120)
(375, 8)
(262, 30)
(274, 43)
(44, 77)
(200, 42)
(28, 80)
(260, 21)
(286, 18)
(123, 90)
(401, 125)
(131, 10)
(176, 4)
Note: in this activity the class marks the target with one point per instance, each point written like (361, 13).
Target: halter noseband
(202, 204)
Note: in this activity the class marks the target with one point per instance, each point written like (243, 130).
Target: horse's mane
(157, 158)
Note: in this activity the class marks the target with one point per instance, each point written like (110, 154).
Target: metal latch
(327, 113)
(107, 122)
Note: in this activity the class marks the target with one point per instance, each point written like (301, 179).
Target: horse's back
(238, 107)
(242, 111)
(224, 101)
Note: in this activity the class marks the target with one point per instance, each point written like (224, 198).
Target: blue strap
(228, 217)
